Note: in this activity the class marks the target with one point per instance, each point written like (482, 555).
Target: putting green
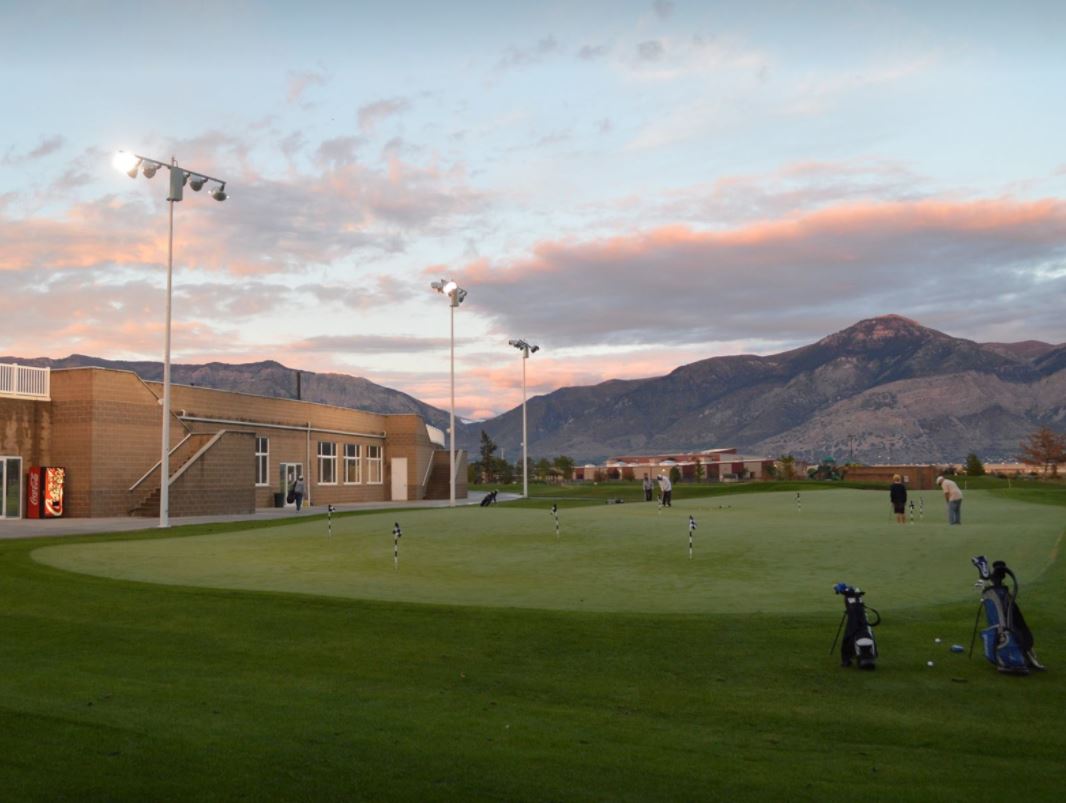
(752, 553)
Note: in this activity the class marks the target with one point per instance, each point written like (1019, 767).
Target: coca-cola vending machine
(44, 492)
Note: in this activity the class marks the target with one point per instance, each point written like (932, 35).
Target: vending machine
(44, 492)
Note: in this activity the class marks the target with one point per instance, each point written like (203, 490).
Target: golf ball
(928, 663)
(936, 640)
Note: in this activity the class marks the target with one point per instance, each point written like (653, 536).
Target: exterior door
(399, 479)
(11, 487)
(288, 473)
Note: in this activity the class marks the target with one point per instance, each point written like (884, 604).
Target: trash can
(279, 499)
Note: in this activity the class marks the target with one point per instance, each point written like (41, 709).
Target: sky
(632, 186)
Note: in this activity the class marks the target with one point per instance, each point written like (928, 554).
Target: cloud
(300, 82)
(663, 9)
(516, 57)
(592, 52)
(269, 225)
(373, 344)
(785, 279)
(651, 50)
(373, 114)
(47, 146)
(338, 151)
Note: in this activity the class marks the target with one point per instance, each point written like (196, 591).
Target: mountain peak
(874, 332)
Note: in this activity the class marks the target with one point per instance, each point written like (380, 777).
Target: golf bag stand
(859, 643)
(1007, 640)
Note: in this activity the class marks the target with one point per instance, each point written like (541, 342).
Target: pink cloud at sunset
(789, 275)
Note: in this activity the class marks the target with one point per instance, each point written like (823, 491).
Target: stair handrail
(158, 463)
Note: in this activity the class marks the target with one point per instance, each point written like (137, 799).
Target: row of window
(327, 463)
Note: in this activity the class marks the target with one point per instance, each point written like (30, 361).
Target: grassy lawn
(499, 663)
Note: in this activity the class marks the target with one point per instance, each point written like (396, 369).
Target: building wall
(22, 422)
(106, 427)
(222, 480)
(103, 426)
(918, 478)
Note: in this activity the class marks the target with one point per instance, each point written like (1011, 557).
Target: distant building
(918, 477)
(230, 452)
(715, 465)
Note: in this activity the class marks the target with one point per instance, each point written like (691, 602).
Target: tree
(1046, 448)
(698, 472)
(788, 466)
(502, 470)
(974, 466)
(542, 468)
(675, 474)
(566, 466)
(487, 449)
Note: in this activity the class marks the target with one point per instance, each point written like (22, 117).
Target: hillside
(883, 390)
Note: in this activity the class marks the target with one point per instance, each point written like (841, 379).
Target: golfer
(647, 488)
(897, 494)
(667, 489)
(953, 496)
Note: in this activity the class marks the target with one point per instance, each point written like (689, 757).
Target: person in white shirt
(953, 496)
(667, 488)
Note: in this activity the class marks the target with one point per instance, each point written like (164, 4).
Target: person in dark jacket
(897, 493)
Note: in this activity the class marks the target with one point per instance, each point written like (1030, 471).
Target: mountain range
(883, 390)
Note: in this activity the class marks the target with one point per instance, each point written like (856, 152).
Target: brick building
(918, 478)
(715, 465)
(230, 452)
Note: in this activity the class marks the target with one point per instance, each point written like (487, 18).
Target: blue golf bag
(859, 643)
(1007, 640)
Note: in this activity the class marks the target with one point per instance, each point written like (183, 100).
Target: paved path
(42, 528)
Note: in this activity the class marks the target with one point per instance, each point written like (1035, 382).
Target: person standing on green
(897, 494)
(953, 496)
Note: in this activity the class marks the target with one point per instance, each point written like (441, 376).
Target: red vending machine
(44, 492)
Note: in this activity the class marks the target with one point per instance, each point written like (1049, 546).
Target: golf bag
(1007, 640)
(858, 643)
(490, 499)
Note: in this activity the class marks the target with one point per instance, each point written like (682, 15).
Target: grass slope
(119, 690)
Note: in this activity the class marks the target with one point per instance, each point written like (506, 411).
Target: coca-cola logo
(34, 488)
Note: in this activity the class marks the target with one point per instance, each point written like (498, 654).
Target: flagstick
(396, 533)
(691, 527)
(555, 515)
(799, 505)
(329, 510)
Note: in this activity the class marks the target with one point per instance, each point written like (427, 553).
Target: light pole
(526, 350)
(456, 296)
(131, 164)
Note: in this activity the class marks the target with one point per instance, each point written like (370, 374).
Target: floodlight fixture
(149, 169)
(196, 183)
(451, 289)
(219, 193)
(126, 162)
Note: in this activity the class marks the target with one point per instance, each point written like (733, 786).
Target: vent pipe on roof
(299, 389)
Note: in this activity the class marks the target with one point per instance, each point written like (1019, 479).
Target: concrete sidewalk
(44, 528)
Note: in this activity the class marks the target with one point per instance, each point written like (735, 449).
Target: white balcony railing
(24, 381)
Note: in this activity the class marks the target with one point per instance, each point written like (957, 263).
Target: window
(327, 463)
(373, 465)
(352, 473)
(262, 460)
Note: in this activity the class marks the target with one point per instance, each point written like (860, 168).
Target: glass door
(11, 487)
(288, 473)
